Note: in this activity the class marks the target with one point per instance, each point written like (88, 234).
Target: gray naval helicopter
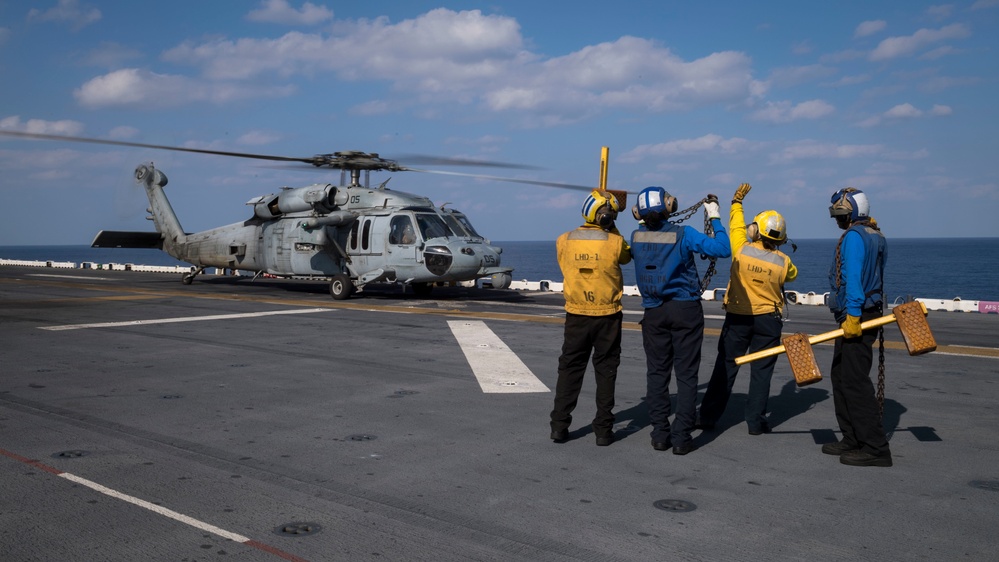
(352, 234)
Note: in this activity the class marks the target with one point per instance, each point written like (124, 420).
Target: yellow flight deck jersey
(756, 282)
(590, 259)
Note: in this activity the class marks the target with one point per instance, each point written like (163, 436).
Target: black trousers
(672, 335)
(583, 334)
(742, 334)
(854, 399)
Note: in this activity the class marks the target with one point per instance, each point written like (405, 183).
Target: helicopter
(352, 234)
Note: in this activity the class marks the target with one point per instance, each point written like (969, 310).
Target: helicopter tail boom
(162, 212)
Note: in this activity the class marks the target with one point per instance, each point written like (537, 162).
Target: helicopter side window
(353, 235)
(432, 226)
(401, 231)
(365, 235)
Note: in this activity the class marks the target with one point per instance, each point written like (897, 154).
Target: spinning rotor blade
(42, 136)
(426, 160)
(345, 160)
(339, 160)
(512, 180)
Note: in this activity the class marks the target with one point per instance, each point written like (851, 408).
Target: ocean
(931, 268)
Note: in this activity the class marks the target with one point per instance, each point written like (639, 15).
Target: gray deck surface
(365, 421)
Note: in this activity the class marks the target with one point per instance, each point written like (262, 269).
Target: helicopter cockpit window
(432, 226)
(353, 235)
(465, 223)
(401, 230)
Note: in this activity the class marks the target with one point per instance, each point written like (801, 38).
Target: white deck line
(497, 369)
(181, 319)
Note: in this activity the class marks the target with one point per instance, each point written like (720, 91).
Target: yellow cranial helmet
(770, 225)
(599, 207)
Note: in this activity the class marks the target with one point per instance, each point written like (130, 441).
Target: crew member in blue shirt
(673, 324)
(856, 281)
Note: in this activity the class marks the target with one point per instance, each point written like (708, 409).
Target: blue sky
(797, 98)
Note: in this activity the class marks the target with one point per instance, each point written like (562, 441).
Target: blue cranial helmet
(850, 202)
(655, 203)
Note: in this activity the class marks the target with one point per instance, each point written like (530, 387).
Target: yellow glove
(851, 327)
(741, 193)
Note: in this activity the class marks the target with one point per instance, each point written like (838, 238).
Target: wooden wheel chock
(911, 319)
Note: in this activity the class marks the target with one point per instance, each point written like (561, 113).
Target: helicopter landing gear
(422, 290)
(341, 286)
(188, 278)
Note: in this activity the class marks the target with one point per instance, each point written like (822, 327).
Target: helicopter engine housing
(319, 198)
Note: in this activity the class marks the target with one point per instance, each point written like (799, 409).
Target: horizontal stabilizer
(122, 239)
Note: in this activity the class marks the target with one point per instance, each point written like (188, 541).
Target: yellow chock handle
(820, 338)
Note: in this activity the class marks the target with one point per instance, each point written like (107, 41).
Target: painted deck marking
(497, 369)
(160, 510)
(182, 319)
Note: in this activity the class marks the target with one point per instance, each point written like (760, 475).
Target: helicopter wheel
(187, 279)
(422, 289)
(341, 287)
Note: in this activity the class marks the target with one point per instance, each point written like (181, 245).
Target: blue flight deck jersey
(863, 254)
(664, 260)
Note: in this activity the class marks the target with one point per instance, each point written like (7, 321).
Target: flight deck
(238, 419)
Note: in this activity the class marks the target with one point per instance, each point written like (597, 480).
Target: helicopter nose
(470, 258)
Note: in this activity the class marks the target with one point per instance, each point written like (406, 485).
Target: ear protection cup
(597, 202)
(752, 232)
(606, 216)
(670, 203)
(655, 200)
(851, 203)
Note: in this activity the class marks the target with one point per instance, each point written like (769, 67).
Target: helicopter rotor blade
(42, 136)
(337, 160)
(427, 160)
(512, 180)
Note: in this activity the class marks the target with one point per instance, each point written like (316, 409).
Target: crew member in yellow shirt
(754, 304)
(590, 258)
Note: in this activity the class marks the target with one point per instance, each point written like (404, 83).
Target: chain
(708, 230)
(881, 356)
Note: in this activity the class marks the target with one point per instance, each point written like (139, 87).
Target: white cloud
(785, 112)
(373, 107)
(939, 52)
(279, 11)
(802, 48)
(702, 145)
(123, 132)
(894, 47)
(984, 4)
(870, 121)
(40, 126)
(724, 179)
(109, 54)
(66, 11)
(794, 75)
(850, 80)
(258, 138)
(869, 28)
(940, 12)
(132, 86)
(903, 111)
(470, 58)
(806, 150)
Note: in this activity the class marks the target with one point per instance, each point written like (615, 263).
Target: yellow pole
(604, 155)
